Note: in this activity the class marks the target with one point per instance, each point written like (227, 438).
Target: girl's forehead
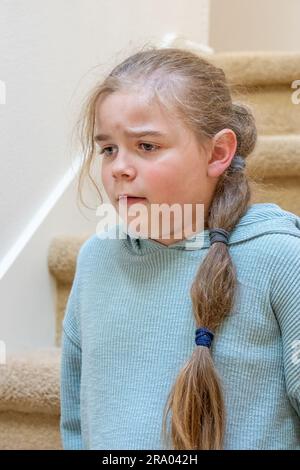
(130, 107)
(126, 100)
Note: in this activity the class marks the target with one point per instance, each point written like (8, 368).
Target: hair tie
(238, 163)
(218, 235)
(204, 337)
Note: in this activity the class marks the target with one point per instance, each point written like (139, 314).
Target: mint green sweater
(129, 329)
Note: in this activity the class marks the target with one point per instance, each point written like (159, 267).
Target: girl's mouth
(132, 200)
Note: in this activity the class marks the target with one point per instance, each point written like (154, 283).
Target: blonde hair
(200, 95)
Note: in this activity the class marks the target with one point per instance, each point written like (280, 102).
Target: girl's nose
(123, 167)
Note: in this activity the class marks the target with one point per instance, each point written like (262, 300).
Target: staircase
(29, 401)
(29, 384)
(263, 80)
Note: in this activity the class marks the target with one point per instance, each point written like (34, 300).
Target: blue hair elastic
(218, 235)
(204, 337)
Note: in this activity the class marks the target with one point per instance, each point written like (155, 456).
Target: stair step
(263, 80)
(275, 156)
(29, 382)
(30, 401)
(259, 67)
(61, 260)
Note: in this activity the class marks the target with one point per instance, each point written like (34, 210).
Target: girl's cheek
(159, 176)
(105, 176)
(106, 182)
(152, 176)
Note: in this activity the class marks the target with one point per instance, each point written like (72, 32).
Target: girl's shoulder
(268, 226)
(98, 245)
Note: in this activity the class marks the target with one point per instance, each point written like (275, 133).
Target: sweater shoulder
(283, 246)
(279, 255)
(277, 242)
(98, 245)
(269, 256)
(285, 251)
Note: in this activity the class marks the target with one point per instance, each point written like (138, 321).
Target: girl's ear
(224, 145)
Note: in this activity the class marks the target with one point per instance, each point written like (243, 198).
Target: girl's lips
(132, 200)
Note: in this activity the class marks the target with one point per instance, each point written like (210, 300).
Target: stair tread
(61, 259)
(275, 156)
(262, 67)
(29, 382)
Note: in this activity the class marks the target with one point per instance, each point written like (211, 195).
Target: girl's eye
(104, 150)
(151, 145)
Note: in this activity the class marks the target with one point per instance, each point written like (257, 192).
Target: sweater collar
(259, 219)
(195, 242)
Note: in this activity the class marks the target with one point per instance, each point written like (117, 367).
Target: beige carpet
(29, 400)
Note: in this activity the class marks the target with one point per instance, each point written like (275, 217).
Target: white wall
(27, 291)
(50, 53)
(241, 25)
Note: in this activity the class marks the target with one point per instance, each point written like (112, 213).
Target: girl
(169, 344)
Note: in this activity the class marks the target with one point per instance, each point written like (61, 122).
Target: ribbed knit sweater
(129, 329)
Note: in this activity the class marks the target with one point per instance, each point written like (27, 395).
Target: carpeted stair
(29, 401)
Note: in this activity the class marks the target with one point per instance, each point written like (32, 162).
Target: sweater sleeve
(285, 300)
(70, 422)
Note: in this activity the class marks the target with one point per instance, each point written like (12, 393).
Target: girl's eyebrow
(141, 133)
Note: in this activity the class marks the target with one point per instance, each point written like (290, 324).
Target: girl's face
(150, 154)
